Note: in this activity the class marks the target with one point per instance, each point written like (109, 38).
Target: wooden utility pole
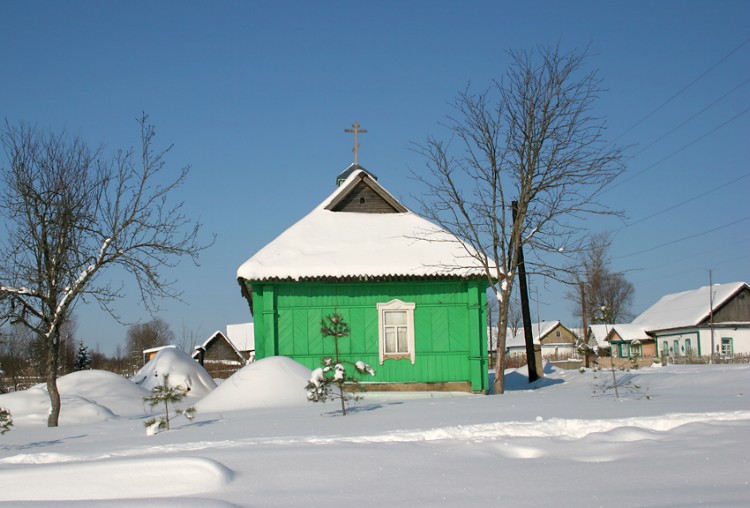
(356, 130)
(711, 313)
(525, 312)
(585, 324)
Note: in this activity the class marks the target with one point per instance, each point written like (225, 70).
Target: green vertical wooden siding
(449, 325)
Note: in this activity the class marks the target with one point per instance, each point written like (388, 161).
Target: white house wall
(700, 340)
(740, 339)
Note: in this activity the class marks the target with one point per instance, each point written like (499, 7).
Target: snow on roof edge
(390, 249)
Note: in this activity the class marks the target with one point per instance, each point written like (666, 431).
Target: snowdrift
(87, 396)
(183, 371)
(277, 381)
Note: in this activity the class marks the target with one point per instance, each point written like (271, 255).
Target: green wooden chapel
(412, 293)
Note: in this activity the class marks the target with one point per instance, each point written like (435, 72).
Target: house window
(558, 334)
(396, 330)
(635, 350)
(688, 348)
(726, 346)
(665, 348)
(623, 350)
(676, 347)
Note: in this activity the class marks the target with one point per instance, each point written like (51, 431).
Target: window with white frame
(622, 350)
(635, 350)
(726, 346)
(396, 330)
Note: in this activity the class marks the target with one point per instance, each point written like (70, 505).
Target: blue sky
(255, 97)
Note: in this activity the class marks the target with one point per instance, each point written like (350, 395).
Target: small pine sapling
(83, 359)
(166, 394)
(320, 387)
(6, 422)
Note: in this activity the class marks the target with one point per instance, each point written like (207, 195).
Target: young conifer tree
(83, 358)
(166, 394)
(320, 387)
(6, 422)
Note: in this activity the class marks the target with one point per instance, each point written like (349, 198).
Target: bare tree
(142, 336)
(116, 363)
(531, 138)
(603, 288)
(515, 320)
(70, 215)
(188, 338)
(15, 357)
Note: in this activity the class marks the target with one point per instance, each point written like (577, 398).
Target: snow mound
(159, 477)
(183, 371)
(86, 396)
(31, 407)
(107, 389)
(276, 381)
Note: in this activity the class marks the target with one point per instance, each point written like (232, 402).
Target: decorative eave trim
(364, 278)
(702, 326)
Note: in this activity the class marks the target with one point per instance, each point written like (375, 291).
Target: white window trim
(396, 305)
(635, 350)
(729, 350)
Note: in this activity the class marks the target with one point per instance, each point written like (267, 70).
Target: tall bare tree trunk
(499, 385)
(502, 331)
(54, 394)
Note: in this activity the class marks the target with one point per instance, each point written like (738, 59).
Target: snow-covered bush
(6, 422)
(166, 394)
(332, 376)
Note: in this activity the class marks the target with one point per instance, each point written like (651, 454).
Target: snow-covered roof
(599, 334)
(344, 175)
(538, 331)
(688, 308)
(336, 244)
(242, 336)
(234, 345)
(630, 332)
(157, 349)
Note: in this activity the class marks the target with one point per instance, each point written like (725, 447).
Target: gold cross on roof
(356, 130)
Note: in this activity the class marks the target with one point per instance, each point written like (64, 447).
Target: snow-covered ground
(678, 436)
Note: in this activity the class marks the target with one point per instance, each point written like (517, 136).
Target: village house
(627, 345)
(555, 340)
(412, 293)
(224, 354)
(683, 326)
(701, 321)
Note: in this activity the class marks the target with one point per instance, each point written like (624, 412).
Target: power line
(682, 90)
(721, 248)
(683, 238)
(714, 262)
(665, 210)
(693, 117)
(698, 268)
(685, 147)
